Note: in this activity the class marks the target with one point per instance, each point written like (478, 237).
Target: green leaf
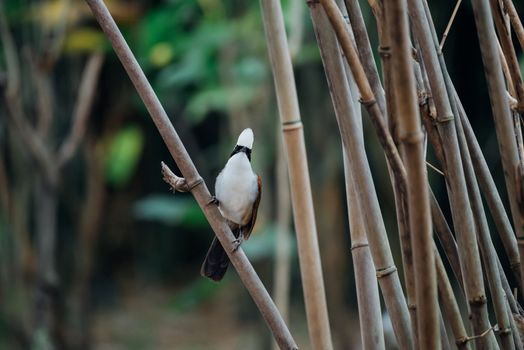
(171, 210)
(124, 153)
(219, 99)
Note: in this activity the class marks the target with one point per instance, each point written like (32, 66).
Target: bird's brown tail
(216, 262)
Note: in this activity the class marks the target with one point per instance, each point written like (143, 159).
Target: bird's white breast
(236, 188)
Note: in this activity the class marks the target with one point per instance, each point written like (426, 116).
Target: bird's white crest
(246, 138)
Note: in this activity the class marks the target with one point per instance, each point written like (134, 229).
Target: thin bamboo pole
(509, 54)
(450, 306)
(386, 106)
(515, 21)
(501, 113)
(491, 195)
(365, 279)
(460, 206)
(195, 183)
(369, 314)
(411, 140)
(488, 250)
(303, 213)
(359, 167)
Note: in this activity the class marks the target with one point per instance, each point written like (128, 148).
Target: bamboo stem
(515, 21)
(411, 139)
(488, 250)
(303, 213)
(450, 306)
(359, 167)
(372, 332)
(460, 206)
(501, 113)
(509, 54)
(199, 190)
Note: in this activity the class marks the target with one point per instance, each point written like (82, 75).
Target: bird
(237, 193)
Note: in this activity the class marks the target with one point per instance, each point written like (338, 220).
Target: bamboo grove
(413, 105)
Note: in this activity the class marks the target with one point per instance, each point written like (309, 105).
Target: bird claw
(237, 242)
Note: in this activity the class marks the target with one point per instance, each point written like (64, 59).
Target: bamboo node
(412, 306)
(384, 51)
(367, 103)
(195, 183)
(412, 137)
(386, 271)
(359, 245)
(478, 300)
(446, 119)
(291, 125)
(461, 341)
(504, 331)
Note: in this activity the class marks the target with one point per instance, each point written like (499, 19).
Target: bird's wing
(248, 228)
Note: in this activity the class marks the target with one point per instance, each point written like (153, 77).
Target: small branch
(84, 104)
(515, 21)
(177, 183)
(450, 23)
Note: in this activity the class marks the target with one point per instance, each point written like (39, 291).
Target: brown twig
(450, 23)
(199, 189)
(515, 21)
(83, 106)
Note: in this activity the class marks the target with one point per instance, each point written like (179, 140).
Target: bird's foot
(237, 242)
(214, 201)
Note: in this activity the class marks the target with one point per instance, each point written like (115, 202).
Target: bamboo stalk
(515, 21)
(411, 139)
(369, 314)
(387, 103)
(365, 278)
(501, 113)
(509, 54)
(488, 250)
(359, 167)
(303, 213)
(450, 306)
(198, 188)
(460, 206)
(491, 195)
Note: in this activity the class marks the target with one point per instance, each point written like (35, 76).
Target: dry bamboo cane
(450, 306)
(515, 21)
(366, 284)
(369, 314)
(303, 213)
(491, 194)
(195, 183)
(509, 54)
(411, 139)
(398, 181)
(486, 181)
(501, 113)
(488, 250)
(461, 210)
(353, 143)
